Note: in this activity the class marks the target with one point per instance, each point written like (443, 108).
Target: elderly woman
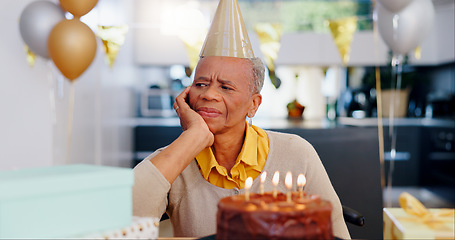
(218, 150)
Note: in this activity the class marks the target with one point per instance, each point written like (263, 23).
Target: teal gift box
(64, 201)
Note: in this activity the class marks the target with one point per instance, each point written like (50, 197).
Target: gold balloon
(343, 32)
(72, 47)
(78, 7)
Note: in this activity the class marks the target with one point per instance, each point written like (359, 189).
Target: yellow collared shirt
(249, 163)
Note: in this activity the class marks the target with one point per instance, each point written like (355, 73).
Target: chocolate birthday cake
(266, 217)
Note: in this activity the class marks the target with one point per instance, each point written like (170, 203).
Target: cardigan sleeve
(150, 190)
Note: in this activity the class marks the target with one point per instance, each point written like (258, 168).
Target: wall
(33, 130)
(25, 115)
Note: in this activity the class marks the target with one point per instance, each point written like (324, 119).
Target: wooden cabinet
(406, 164)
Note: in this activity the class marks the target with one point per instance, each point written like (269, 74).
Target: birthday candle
(275, 180)
(248, 183)
(301, 180)
(261, 187)
(288, 183)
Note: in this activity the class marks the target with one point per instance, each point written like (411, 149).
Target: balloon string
(394, 102)
(380, 124)
(379, 104)
(392, 98)
(70, 122)
(51, 93)
(60, 87)
(52, 103)
(391, 135)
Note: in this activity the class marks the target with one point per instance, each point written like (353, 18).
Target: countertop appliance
(156, 102)
(357, 103)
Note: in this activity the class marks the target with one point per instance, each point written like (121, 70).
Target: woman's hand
(190, 120)
(196, 136)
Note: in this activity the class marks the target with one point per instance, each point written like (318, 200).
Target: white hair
(258, 74)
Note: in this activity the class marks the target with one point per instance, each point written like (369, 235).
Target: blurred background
(122, 109)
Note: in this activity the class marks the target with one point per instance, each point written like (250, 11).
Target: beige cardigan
(191, 201)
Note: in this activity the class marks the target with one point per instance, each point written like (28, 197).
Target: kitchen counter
(276, 123)
(284, 123)
(373, 122)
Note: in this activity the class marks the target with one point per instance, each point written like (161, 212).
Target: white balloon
(36, 22)
(395, 5)
(412, 25)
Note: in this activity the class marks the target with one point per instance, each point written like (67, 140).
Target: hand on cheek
(190, 120)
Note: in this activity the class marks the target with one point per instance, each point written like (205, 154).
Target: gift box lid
(61, 179)
(400, 225)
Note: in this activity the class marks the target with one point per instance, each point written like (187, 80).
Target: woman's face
(221, 92)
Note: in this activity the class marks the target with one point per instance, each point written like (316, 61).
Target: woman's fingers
(187, 115)
(180, 100)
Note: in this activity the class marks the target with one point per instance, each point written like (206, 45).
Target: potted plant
(394, 96)
(295, 110)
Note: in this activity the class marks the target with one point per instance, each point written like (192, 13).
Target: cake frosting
(266, 217)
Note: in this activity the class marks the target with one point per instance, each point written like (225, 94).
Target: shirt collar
(248, 154)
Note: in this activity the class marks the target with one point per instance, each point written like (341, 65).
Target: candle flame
(263, 176)
(288, 180)
(301, 180)
(248, 183)
(276, 178)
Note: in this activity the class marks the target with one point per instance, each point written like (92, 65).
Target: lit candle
(288, 183)
(261, 187)
(275, 180)
(301, 180)
(248, 183)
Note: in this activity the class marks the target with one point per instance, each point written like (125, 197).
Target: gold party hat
(227, 35)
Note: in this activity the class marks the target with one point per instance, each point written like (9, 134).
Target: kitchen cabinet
(407, 161)
(438, 160)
